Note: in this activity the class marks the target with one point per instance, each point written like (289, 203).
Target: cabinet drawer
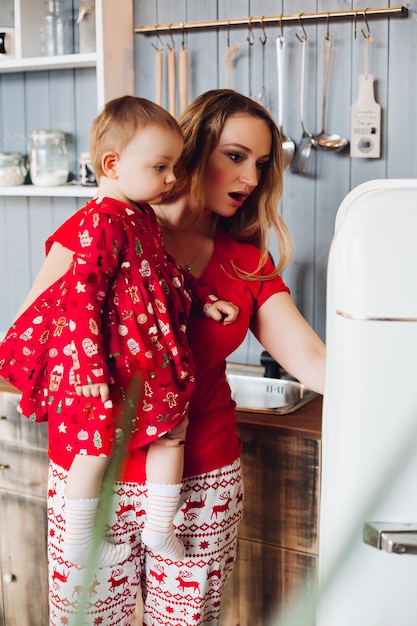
(282, 490)
(23, 563)
(23, 470)
(18, 429)
(264, 582)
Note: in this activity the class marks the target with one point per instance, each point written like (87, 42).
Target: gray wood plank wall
(66, 100)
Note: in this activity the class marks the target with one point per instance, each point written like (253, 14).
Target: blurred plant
(124, 421)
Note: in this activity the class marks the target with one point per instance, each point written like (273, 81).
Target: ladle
(288, 146)
(303, 149)
(324, 140)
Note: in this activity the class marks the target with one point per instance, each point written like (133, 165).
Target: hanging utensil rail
(399, 10)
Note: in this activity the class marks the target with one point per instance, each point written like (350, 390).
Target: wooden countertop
(305, 422)
(5, 386)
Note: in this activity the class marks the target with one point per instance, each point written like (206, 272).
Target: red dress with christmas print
(117, 316)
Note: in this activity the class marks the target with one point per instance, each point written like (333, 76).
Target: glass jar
(48, 158)
(53, 29)
(12, 169)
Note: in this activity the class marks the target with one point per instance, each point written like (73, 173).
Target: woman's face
(235, 166)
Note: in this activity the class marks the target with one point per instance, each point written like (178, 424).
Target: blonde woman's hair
(119, 121)
(202, 124)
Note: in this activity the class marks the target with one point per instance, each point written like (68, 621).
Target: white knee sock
(158, 533)
(80, 518)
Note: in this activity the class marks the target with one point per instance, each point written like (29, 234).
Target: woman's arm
(55, 265)
(291, 341)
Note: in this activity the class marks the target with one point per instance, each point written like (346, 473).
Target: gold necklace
(186, 264)
(165, 222)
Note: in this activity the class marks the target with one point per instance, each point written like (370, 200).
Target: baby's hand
(97, 390)
(222, 310)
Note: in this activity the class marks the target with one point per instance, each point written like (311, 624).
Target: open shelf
(61, 191)
(112, 39)
(64, 61)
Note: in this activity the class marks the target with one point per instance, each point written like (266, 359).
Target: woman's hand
(55, 265)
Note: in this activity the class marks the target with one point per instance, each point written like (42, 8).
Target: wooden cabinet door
(282, 489)
(264, 580)
(23, 561)
(278, 536)
(19, 430)
(23, 470)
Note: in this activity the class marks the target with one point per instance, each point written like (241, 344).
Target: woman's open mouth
(237, 198)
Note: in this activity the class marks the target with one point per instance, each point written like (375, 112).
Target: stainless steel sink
(266, 395)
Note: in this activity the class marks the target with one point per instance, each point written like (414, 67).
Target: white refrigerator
(368, 516)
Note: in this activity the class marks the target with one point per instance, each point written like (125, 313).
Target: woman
(217, 227)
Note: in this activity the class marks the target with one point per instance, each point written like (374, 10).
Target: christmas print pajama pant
(186, 593)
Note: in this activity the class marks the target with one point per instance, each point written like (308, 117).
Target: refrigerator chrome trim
(374, 318)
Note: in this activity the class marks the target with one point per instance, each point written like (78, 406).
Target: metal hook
(160, 40)
(368, 34)
(328, 27)
(355, 24)
(183, 35)
(251, 37)
(281, 36)
(228, 34)
(263, 39)
(304, 37)
(172, 46)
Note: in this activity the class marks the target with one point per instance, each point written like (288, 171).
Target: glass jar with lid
(12, 169)
(48, 158)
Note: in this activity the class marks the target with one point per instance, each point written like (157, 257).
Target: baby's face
(145, 168)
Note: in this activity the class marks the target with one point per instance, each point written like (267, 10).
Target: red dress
(118, 316)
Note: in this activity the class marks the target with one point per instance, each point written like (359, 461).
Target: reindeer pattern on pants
(186, 593)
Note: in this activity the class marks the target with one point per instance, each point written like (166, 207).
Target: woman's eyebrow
(242, 147)
(236, 145)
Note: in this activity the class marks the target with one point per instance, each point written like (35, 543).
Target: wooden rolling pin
(158, 76)
(172, 82)
(183, 78)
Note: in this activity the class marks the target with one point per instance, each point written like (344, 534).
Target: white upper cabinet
(103, 40)
(111, 52)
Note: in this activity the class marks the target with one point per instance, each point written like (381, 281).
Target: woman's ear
(109, 162)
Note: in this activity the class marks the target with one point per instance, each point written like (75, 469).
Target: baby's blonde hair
(119, 121)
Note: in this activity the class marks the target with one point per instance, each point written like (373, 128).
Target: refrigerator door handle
(391, 536)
